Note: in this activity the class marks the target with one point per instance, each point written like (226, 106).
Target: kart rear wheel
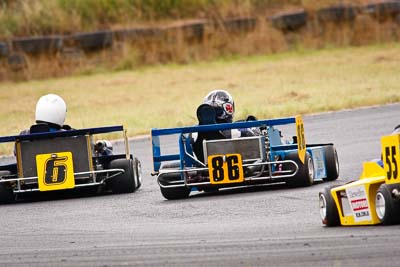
(332, 163)
(6, 194)
(210, 189)
(166, 179)
(124, 182)
(172, 193)
(305, 174)
(387, 208)
(327, 208)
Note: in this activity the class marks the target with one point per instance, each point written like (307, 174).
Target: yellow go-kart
(373, 199)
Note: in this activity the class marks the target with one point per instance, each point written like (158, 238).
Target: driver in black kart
(50, 114)
(218, 107)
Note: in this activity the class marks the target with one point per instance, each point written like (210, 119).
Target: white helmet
(223, 102)
(51, 108)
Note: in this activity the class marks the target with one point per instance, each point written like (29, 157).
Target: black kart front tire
(387, 208)
(124, 182)
(327, 208)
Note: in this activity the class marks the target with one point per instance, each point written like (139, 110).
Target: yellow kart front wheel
(386, 206)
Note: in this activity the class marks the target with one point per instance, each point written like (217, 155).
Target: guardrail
(194, 31)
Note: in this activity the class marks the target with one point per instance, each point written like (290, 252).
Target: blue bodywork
(277, 149)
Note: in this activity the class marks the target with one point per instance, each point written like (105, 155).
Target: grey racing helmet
(223, 103)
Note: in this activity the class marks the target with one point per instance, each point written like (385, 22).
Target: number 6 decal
(55, 171)
(225, 169)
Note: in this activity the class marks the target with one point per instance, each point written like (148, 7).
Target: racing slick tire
(387, 208)
(305, 174)
(332, 163)
(124, 182)
(172, 193)
(327, 208)
(6, 194)
(137, 172)
(210, 189)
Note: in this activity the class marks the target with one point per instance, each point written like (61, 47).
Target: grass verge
(270, 86)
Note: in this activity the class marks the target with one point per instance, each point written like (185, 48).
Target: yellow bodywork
(355, 201)
(371, 178)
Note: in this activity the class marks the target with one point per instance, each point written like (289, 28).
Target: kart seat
(39, 128)
(206, 115)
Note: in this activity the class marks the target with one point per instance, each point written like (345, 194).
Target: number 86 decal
(225, 169)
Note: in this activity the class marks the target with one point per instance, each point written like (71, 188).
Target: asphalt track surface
(262, 226)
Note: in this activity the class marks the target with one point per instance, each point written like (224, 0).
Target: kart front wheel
(332, 163)
(6, 194)
(387, 208)
(327, 208)
(124, 182)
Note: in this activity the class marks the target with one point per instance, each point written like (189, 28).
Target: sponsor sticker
(228, 108)
(358, 201)
(319, 164)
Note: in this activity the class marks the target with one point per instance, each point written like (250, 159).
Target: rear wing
(87, 131)
(158, 157)
(68, 133)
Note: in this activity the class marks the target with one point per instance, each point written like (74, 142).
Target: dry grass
(165, 96)
(216, 43)
(38, 17)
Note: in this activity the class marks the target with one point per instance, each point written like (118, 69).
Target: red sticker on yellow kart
(225, 169)
(301, 140)
(391, 158)
(55, 171)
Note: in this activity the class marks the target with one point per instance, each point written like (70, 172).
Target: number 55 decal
(391, 158)
(224, 169)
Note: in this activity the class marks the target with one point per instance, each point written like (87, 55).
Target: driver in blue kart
(223, 109)
(396, 130)
(50, 114)
(224, 106)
